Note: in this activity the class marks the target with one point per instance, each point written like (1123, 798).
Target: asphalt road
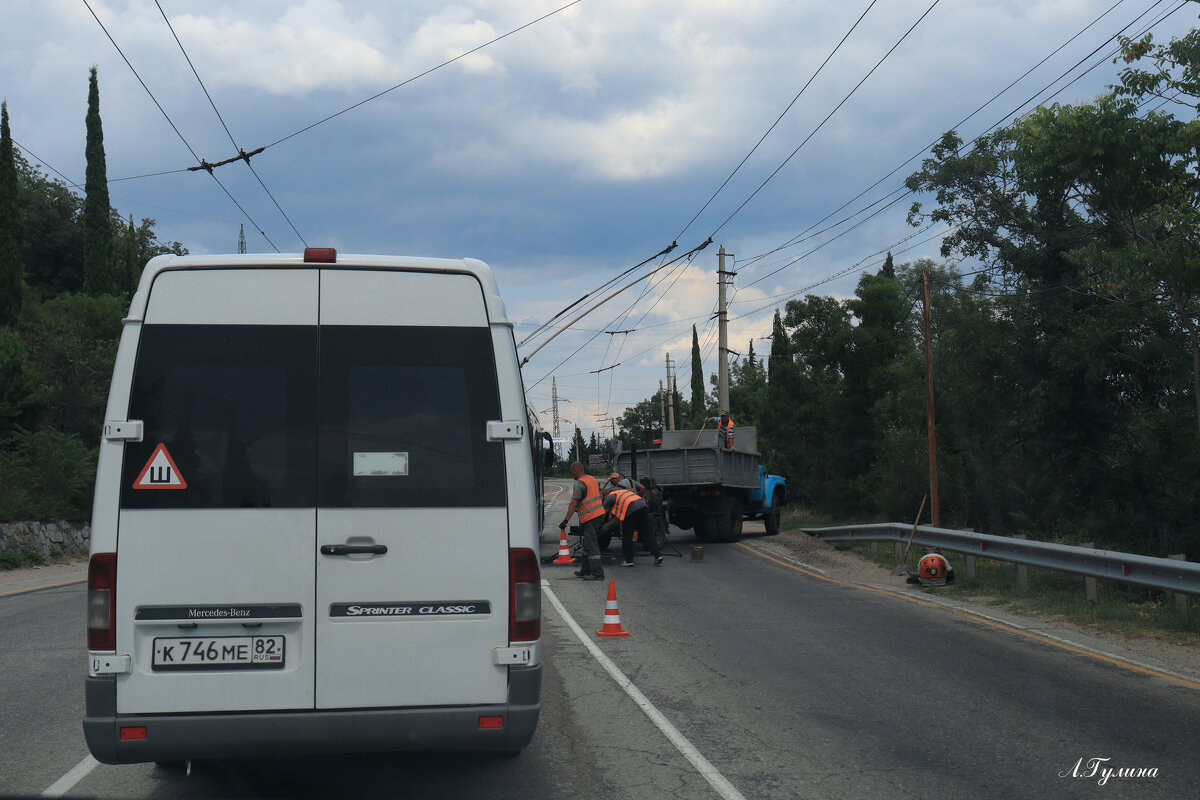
(741, 677)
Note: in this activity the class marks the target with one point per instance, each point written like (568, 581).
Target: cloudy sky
(563, 144)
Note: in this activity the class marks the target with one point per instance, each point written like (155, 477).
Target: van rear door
(412, 521)
(216, 531)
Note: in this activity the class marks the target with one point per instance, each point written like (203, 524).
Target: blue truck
(709, 488)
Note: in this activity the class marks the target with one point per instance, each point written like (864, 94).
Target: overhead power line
(447, 63)
(779, 119)
(242, 154)
(828, 117)
(174, 127)
(804, 234)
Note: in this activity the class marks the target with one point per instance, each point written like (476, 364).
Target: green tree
(1083, 217)
(46, 475)
(882, 398)
(98, 273)
(889, 267)
(1170, 72)
(1130, 179)
(699, 399)
(641, 423)
(24, 396)
(748, 390)
(131, 269)
(72, 341)
(579, 450)
(53, 240)
(11, 267)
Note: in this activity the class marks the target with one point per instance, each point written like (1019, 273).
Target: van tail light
(102, 602)
(524, 596)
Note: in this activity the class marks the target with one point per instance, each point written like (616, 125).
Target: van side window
(403, 418)
(235, 407)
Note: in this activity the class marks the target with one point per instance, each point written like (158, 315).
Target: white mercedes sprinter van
(315, 526)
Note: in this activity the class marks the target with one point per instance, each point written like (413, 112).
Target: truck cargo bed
(704, 463)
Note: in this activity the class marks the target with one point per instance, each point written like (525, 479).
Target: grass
(1123, 608)
(18, 559)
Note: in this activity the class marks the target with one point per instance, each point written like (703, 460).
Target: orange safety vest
(725, 430)
(625, 499)
(591, 505)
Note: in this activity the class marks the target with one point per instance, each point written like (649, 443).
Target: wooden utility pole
(933, 479)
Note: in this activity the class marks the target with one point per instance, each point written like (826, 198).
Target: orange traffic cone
(612, 617)
(564, 553)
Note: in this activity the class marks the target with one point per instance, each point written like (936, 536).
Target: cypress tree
(889, 267)
(11, 268)
(131, 271)
(98, 273)
(699, 402)
(781, 350)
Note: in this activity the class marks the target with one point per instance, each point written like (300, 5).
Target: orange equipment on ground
(934, 570)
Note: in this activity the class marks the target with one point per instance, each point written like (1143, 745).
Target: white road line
(67, 782)
(718, 781)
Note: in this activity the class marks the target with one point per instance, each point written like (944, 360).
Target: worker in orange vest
(724, 430)
(586, 501)
(629, 509)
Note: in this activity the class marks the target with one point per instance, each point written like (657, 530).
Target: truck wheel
(730, 520)
(604, 539)
(771, 516)
(659, 526)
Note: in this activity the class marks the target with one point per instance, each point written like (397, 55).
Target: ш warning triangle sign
(160, 472)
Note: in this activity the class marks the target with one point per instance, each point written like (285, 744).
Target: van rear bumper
(171, 737)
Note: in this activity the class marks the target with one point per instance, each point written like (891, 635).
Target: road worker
(586, 501)
(629, 510)
(616, 481)
(724, 430)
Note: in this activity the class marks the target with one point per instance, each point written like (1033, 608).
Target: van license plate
(218, 652)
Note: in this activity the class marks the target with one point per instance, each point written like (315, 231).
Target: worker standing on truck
(724, 430)
(630, 510)
(585, 499)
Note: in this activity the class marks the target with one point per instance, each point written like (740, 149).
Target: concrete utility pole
(554, 398)
(723, 333)
(662, 407)
(933, 480)
(671, 390)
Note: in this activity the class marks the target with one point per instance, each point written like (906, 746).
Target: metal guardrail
(1160, 573)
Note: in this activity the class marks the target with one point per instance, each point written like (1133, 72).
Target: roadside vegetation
(68, 267)
(1122, 608)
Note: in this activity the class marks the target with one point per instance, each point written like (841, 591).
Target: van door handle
(353, 549)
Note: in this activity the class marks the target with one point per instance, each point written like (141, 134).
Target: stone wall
(48, 538)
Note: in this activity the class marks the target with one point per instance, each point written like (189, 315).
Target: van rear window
(296, 416)
(410, 406)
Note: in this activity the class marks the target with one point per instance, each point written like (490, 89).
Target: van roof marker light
(320, 255)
